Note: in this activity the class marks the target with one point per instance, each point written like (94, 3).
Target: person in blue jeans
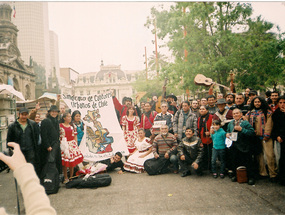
(219, 148)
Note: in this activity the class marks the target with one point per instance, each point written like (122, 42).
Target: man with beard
(195, 108)
(121, 110)
(165, 145)
(190, 152)
(230, 99)
(223, 115)
(147, 119)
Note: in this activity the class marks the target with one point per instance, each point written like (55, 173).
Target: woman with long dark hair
(78, 125)
(71, 155)
(130, 123)
(259, 116)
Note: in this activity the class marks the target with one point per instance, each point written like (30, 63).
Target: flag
(14, 9)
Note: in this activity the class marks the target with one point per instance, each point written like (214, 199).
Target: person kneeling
(190, 152)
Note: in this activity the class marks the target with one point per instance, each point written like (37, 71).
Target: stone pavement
(163, 194)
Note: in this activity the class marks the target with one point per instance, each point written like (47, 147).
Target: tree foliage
(220, 37)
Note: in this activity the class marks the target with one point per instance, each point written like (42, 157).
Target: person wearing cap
(252, 94)
(25, 132)
(223, 115)
(121, 109)
(50, 138)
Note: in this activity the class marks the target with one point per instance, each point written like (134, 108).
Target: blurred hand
(38, 106)
(195, 165)
(182, 157)
(17, 158)
(49, 149)
(166, 155)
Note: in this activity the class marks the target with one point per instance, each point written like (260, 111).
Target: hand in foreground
(195, 165)
(17, 158)
(166, 155)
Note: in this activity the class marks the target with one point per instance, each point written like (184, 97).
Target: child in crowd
(218, 136)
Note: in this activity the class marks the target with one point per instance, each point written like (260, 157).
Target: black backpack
(49, 177)
(156, 166)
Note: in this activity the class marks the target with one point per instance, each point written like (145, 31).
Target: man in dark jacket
(25, 132)
(190, 152)
(241, 131)
(278, 134)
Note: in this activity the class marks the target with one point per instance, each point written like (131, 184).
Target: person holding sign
(165, 116)
(240, 132)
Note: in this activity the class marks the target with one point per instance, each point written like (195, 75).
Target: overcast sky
(114, 32)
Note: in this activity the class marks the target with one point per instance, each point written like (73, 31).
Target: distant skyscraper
(54, 55)
(34, 37)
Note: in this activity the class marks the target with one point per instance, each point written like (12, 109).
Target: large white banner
(103, 136)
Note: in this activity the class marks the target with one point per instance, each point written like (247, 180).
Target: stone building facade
(110, 77)
(12, 67)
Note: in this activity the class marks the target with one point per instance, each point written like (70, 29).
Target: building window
(98, 91)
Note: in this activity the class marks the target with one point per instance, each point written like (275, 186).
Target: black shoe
(251, 181)
(184, 174)
(273, 180)
(222, 176)
(234, 179)
(215, 175)
(230, 174)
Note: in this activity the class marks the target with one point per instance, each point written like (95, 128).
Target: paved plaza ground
(163, 194)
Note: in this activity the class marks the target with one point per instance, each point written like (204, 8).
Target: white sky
(114, 32)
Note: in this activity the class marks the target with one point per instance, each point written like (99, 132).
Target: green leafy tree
(219, 37)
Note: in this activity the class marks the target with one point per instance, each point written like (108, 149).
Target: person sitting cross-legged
(190, 152)
(165, 145)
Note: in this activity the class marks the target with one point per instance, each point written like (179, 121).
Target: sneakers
(65, 181)
(215, 175)
(222, 176)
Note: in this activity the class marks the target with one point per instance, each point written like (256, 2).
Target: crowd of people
(235, 130)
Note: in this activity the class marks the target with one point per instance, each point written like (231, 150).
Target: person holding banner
(72, 156)
(130, 123)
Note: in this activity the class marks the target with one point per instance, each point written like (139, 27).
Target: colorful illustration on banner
(98, 141)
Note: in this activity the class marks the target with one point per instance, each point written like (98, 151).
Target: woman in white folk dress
(143, 152)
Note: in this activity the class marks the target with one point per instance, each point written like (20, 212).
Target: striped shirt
(164, 145)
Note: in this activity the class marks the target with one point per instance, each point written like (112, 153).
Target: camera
(7, 152)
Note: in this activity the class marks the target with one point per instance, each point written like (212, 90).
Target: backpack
(49, 177)
(156, 166)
